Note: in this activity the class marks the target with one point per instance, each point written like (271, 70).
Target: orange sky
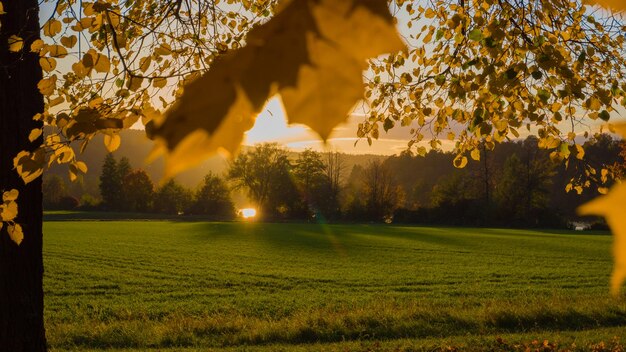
(271, 126)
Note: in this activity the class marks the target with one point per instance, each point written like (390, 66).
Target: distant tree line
(516, 184)
(125, 189)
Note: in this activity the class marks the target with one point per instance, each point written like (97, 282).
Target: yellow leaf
(618, 5)
(163, 50)
(594, 103)
(430, 13)
(70, 41)
(85, 23)
(30, 165)
(428, 38)
(149, 114)
(57, 51)
(56, 101)
(134, 83)
(9, 211)
(81, 166)
(72, 174)
(64, 154)
(2, 9)
(37, 45)
(114, 19)
(34, 134)
(112, 142)
(80, 70)
(95, 102)
(604, 173)
(475, 154)
(198, 145)
(362, 29)
(580, 152)
(102, 64)
(51, 28)
(16, 234)
(460, 161)
(619, 128)
(324, 89)
(15, 43)
(47, 85)
(613, 207)
(144, 63)
(159, 82)
(312, 53)
(47, 63)
(11, 195)
(89, 58)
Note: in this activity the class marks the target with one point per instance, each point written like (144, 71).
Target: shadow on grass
(340, 239)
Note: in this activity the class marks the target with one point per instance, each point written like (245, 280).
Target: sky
(271, 126)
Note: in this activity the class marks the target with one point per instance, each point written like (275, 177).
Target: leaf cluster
(489, 71)
(8, 213)
(109, 64)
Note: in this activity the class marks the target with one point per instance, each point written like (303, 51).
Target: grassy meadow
(155, 285)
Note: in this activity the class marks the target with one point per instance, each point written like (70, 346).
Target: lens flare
(248, 213)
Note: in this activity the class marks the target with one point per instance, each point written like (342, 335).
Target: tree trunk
(21, 267)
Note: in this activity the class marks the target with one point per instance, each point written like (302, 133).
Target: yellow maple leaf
(618, 5)
(325, 91)
(613, 207)
(311, 52)
(195, 147)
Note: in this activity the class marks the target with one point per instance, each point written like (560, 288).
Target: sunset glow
(248, 213)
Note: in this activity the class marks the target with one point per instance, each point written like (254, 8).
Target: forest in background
(515, 185)
(136, 147)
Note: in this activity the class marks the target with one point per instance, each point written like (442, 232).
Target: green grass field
(298, 287)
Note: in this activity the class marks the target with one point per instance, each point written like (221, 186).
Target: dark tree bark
(21, 267)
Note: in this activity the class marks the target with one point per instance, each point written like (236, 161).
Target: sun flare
(248, 213)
